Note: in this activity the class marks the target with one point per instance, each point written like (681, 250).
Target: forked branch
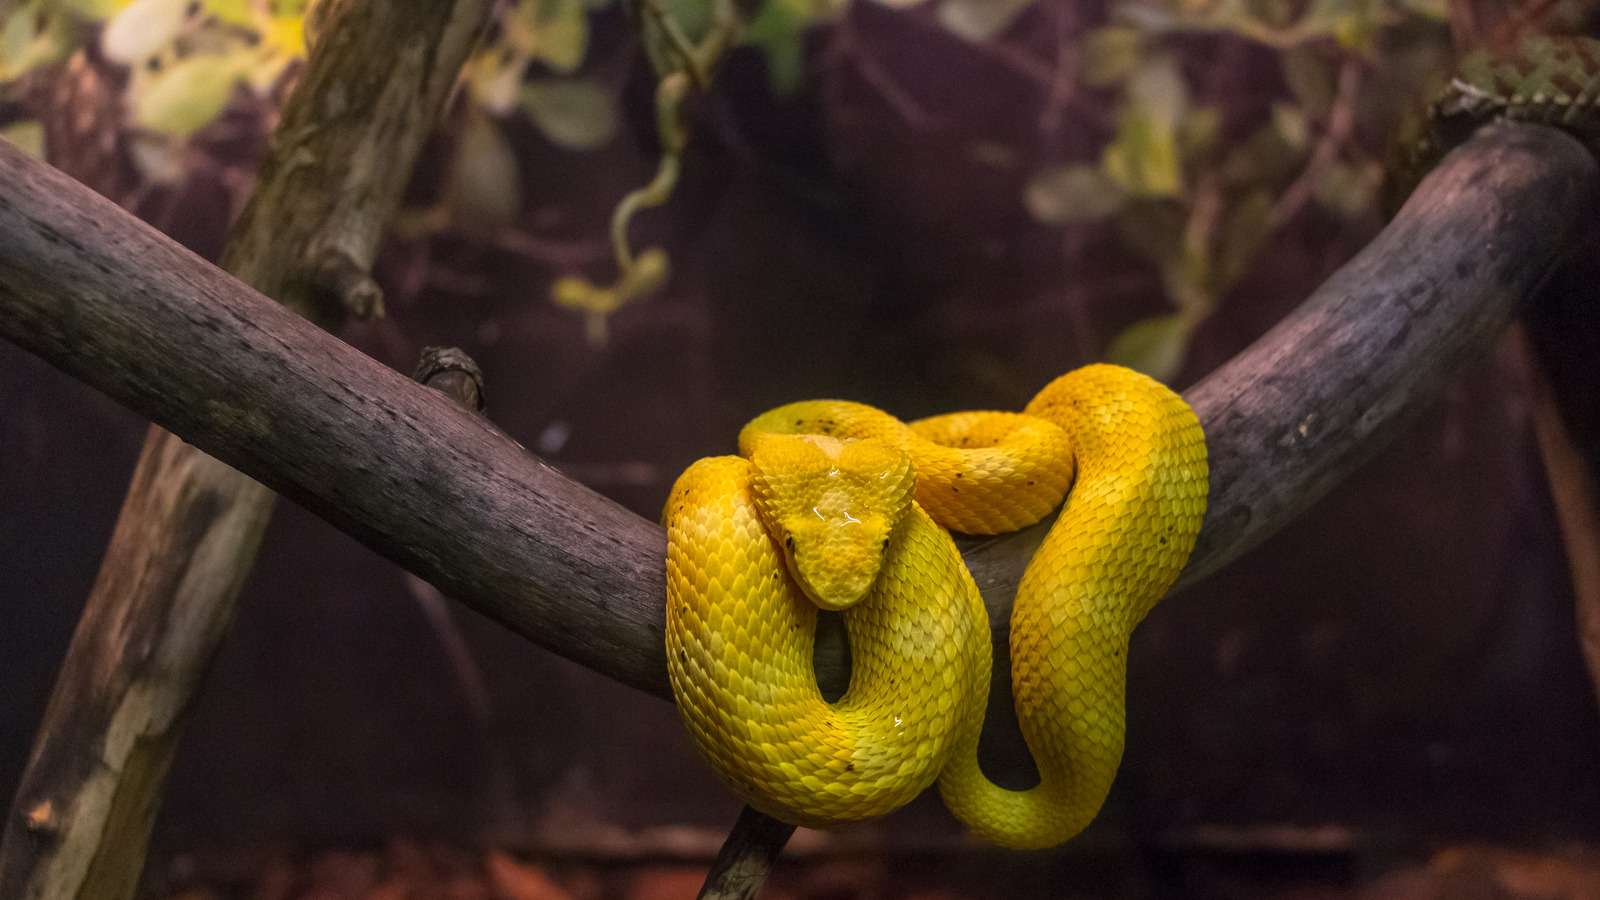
(450, 498)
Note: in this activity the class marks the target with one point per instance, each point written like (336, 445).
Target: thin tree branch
(189, 528)
(745, 860)
(448, 497)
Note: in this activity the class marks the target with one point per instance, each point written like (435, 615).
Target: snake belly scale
(838, 505)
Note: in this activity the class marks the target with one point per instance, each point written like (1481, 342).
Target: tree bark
(746, 858)
(190, 526)
(458, 504)
(453, 500)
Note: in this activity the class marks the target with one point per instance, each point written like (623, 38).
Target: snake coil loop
(840, 505)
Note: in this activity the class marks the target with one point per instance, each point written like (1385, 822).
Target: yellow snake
(818, 510)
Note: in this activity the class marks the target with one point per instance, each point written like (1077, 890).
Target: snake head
(833, 507)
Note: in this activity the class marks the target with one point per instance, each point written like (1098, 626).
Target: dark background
(1395, 671)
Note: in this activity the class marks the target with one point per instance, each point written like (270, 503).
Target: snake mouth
(837, 566)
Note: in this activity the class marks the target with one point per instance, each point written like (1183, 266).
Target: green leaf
(26, 43)
(89, 10)
(555, 32)
(1245, 230)
(1155, 231)
(142, 29)
(1159, 90)
(778, 31)
(1310, 78)
(578, 114)
(1292, 125)
(979, 20)
(1072, 193)
(1154, 346)
(485, 186)
(232, 12)
(186, 96)
(28, 136)
(1201, 129)
(1263, 157)
(1349, 190)
(1111, 54)
(1143, 157)
(494, 77)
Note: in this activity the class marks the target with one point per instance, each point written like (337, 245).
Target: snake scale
(837, 505)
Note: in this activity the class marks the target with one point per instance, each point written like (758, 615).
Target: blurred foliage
(1189, 180)
(1197, 187)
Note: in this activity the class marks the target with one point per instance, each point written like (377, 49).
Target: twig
(846, 45)
(1341, 121)
(111, 302)
(1064, 84)
(453, 373)
(746, 857)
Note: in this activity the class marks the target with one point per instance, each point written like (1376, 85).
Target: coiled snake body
(838, 505)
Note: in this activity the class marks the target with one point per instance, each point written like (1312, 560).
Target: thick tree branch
(448, 497)
(189, 528)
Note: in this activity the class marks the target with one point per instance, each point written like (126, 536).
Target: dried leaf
(1154, 346)
(979, 20)
(142, 29)
(485, 186)
(1073, 193)
(578, 114)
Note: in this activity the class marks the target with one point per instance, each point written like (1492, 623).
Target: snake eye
(885, 548)
(788, 541)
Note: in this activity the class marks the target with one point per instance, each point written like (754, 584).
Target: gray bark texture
(450, 498)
